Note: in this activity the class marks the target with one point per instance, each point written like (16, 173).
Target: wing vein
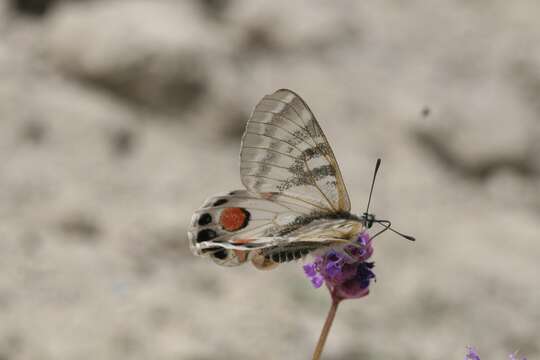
(309, 205)
(272, 150)
(305, 201)
(275, 138)
(264, 177)
(264, 163)
(287, 131)
(237, 233)
(290, 106)
(280, 115)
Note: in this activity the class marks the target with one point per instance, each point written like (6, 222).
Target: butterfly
(294, 202)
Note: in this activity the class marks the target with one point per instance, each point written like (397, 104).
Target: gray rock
(151, 53)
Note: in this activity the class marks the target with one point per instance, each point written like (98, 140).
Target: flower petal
(310, 269)
(317, 281)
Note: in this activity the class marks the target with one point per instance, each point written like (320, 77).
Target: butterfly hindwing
(236, 227)
(228, 226)
(285, 151)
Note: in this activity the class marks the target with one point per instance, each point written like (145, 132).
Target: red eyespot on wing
(233, 219)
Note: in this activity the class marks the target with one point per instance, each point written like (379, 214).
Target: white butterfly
(295, 200)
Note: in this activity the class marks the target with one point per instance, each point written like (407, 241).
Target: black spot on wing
(252, 246)
(220, 202)
(221, 254)
(247, 219)
(205, 235)
(205, 219)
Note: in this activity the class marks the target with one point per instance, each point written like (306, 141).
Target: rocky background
(118, 118)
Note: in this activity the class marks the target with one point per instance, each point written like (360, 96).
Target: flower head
(471, 354)
(344, 270)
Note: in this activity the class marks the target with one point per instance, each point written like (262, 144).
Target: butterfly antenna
(377, 165)
(387, 226)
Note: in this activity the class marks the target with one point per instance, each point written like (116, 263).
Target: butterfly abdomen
(286, 253)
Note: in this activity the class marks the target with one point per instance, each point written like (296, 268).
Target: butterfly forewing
(285, 151)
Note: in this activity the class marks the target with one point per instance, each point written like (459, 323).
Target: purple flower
(317, 281)
(310, 270)
(473, 355)
(344, 270)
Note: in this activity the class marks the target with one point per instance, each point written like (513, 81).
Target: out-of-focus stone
(152, 53)
(473, 146)
(515, 191)
(31, 7)
(307, 25)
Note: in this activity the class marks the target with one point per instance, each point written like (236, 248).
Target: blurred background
(118, 118)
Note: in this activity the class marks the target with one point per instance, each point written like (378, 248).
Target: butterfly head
(368, 220)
